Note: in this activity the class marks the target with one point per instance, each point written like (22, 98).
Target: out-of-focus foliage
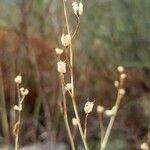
(43, 17)
(117, 32)
(111, 30)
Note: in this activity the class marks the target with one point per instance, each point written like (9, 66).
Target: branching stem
(72, 81)
(112, 119)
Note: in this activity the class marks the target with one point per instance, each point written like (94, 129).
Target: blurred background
(112, 33)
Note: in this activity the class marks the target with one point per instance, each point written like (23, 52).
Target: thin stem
(72, 81)
(63, 82)
(66, 17)
(111, 122)
(77, 27)
(67, 58)
(85, 126)
(74, 132)
(101, 127)
(65, 114)
(79, 123)
(17, 125)
(18, 121)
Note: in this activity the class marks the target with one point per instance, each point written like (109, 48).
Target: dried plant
(88, 107)
(113, 112)
(21, 92)
(66, 41)
(24, 40)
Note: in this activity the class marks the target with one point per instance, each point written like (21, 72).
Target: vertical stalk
(85, 126)
(101, 127)
(111, 122)
(103, 145)
(72, 81)
(18, 121)
(65, 114)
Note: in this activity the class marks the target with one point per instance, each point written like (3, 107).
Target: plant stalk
(65, 114)
(72, 81)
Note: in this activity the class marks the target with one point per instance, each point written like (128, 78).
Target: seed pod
(88, 107)
(61, 67)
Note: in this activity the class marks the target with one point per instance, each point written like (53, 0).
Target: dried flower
(18, 79)
(111, 112)
(68, 86)
(77, 8)
(88, 107)
(122, 91)
(80, 8)
(144, 146)
(74, 121)
(59, 51)
(18, 108)
(120, 69)
(61, 67)
(100, 109)
(116, 83)
(66, 40)
(108, 113)
(123, 76)
(24, 91)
